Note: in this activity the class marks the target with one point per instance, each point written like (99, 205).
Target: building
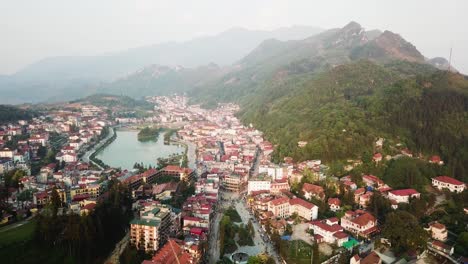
(284, 207)
(233, 183)
(279, 207)
(260, 183)
(438, 231)
(359, 223)
(149, 232)
(304, 209)
(442, 247)
(312, 190)
(334, 204)
(403, 196)
(329, 231)
(172, 252)
(85, 190)
(446, 182)
(183, 174)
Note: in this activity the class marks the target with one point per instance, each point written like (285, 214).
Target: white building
(403, 196)
(329, 231)
(446, 182)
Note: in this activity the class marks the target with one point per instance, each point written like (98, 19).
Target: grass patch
(18, 234)
(296, 251)
(233, 214)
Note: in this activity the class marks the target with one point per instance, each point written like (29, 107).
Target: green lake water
(126, 150)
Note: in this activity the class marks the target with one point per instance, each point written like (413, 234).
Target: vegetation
(10, 113)
(17, 235)
(233, 214)
(404, 232)
(73, 238)
(149, 134)
(260, 259)
(296, 251)
(115, 101)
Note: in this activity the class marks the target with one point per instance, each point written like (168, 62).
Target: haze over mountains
(179, 67)
(58, 78)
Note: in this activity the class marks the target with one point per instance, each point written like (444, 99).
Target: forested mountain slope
(343, 89)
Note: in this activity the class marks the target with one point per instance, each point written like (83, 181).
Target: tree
(379, 206)
(461, 247)
(404, 232)
(55, 201)
(315, 254)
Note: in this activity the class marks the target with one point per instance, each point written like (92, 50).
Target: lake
(126, 150)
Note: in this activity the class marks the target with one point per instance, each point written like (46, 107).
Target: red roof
(340, 235)
(334, 201)
(280, 201)
(301, 202)
(448, 180)
(312, 188)
(404, 192)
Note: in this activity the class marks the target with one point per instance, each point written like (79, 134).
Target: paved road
(259, 242)
(15, 225)
(86, 156)
(119, 248)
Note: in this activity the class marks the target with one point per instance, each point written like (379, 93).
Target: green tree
(461, 247)
(404, 232)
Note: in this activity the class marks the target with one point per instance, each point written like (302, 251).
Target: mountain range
(68, 77)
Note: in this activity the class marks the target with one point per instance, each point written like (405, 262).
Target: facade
(149, 232)
(329, 231)
(260, 183)
(359, 222)
(438, 231)
(403, 196)
(233, 183)
(284, 207)
(312, 190)
(91, 190)
(446, 182)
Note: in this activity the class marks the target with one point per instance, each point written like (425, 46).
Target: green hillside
(343, 89)
(10, 113)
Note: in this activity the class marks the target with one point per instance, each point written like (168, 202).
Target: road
(90, 152)
(259, 242)
(119, 248)
(15, 225)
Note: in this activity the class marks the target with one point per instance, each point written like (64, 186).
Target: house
(355, 259)
(172, 252)
(377, 157)
(329, 231)
(446, 182)
(442, 247)
(303, 208)
(334, 204)
(372, 181)
(403, 196)
(284, 207)
(301, 144)
(372, 258)
(438, 231)
(436, 160)
(359, 223)
(312, 190)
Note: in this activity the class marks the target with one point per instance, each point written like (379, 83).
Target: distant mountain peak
(398, 47)
(352, 26)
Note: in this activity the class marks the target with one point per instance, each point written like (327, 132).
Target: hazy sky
(33, 29)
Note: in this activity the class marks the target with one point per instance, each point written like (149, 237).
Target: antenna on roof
(450, 59)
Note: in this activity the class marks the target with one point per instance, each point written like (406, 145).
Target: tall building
(150, 231)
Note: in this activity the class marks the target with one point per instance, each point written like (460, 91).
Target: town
(229, 202)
